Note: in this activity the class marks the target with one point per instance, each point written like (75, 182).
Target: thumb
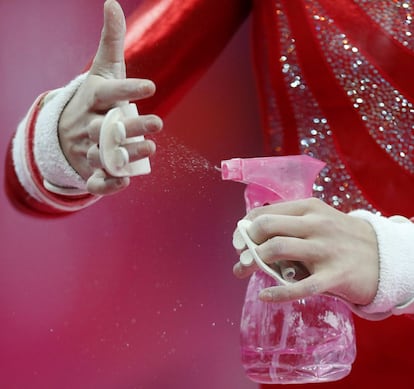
(309, 286)
(109, 59)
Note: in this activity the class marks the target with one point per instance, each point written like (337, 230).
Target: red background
(136, 291)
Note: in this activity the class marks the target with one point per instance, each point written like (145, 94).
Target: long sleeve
(35, 160)
(174, 42)
(170, 42)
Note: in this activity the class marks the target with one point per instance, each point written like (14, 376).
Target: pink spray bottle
(304, 341)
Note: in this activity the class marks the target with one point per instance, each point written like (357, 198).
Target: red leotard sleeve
(174, 42)
(169, 42)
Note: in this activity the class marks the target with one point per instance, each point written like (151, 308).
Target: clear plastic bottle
(305, 341)
(308, 340)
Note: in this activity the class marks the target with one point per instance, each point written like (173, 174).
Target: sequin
(314, 130)
(384, 110)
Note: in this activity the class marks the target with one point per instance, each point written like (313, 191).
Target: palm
(104, 88)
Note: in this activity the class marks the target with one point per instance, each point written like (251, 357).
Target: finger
(109, 92)
(281, 248)
(309, 286)
(241, 271)
(266, 226)
(289, 208)
(109, 59)
(238, 242)
(94, 129)
(93, 157)
(143, 125)
(139, 150)
(102, 184)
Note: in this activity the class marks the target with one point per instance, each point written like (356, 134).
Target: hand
(339, 252)
(104, 88)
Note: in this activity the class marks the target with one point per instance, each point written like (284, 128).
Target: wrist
(396, 263)
(50, 159)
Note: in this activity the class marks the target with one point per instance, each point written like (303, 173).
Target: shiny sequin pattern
(385, 111)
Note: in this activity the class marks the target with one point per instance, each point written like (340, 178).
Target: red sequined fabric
(336, 83)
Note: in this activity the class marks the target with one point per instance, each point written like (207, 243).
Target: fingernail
(238, 241)
(238, 270)
(152, 124)
(146, 87)
(246, 258)
(119, 182)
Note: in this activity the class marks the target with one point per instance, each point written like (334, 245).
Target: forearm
(171, 43)
(36, 159)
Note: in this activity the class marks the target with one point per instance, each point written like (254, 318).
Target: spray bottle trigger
(112, 138)
(242, 226)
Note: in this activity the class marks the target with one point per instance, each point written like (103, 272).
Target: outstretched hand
(105, 87)
(338, 251)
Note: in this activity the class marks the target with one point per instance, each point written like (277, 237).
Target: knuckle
(254, 213)
(312, 288)
(321, 225)
(93, 129)
(263, 224)
(320, 252)
(277, 246)
(314, 203)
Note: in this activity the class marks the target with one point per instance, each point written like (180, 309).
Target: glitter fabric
(350, 111)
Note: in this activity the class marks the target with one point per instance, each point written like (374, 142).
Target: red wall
(136, 291)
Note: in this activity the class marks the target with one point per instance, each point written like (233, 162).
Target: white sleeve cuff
(20, 160)
(49, 157)
(395, 236)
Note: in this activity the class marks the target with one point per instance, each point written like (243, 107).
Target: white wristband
(52, 163)
(395, 238)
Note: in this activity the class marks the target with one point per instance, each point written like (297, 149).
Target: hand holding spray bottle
(305, 341)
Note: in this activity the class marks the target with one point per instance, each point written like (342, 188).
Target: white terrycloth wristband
(49, 157)
(395, 238)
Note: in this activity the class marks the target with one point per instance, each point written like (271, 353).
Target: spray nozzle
(232, 169)
(272, 179)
